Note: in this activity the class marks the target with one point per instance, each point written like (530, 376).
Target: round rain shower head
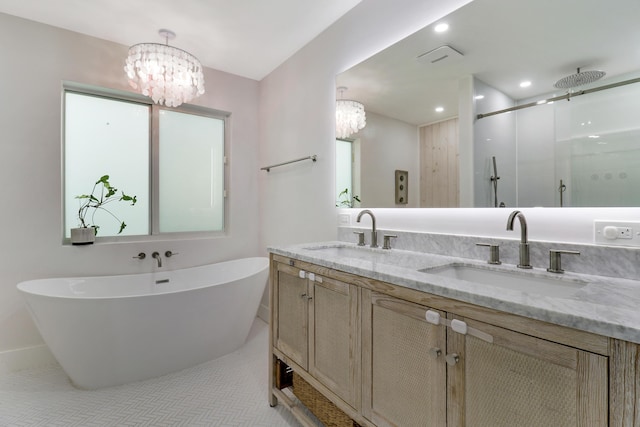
(578, 79)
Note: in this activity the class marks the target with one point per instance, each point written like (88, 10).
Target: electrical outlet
(344, 219)
(617, 233)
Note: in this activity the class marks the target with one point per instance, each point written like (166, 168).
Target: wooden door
(506, 379)
(404, 374)
(291, 313)
(334, 341)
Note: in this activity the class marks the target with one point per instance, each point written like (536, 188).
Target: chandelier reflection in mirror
(350, 116)
(166, 74)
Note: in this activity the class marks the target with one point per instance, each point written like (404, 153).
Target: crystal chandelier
(350, 116)
(167, 75)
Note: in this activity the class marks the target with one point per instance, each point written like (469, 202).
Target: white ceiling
(249, 38)
(503, 42)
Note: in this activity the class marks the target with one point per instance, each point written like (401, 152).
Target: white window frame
(154, 233)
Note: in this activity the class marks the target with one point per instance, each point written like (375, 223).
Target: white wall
(388, 144)
(36, 59)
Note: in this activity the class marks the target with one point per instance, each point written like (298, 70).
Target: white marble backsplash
(609, 261)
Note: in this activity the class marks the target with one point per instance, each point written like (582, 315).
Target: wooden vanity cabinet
(334, 339)
(404, 379)
(291, 314)
(366, 346)
(316, 326)
(505, 378)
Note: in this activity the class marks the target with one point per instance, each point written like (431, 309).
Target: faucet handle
(386, 244)
(141, 255)
(494, 253)
(554, 259)
(169, 254)
(360, 237)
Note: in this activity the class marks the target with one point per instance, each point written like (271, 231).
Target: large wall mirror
(429, 101)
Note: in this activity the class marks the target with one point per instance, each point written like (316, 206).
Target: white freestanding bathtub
(112, 330)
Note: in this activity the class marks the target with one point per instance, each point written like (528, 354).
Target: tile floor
(229, 391)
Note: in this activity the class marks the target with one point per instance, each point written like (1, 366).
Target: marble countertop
(598, 304)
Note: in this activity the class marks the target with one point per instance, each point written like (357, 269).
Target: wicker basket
(320, 406)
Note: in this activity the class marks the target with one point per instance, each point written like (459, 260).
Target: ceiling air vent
(439, 54)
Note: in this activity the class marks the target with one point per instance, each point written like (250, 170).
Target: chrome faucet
(524, 242)
(158, 258)
(374, 233)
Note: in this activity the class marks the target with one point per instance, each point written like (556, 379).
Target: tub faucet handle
(169, 254)
(141, 255)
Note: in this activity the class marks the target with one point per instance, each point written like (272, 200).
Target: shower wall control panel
(617, 233)
(402, 187)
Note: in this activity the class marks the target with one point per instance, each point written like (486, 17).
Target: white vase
(83, 236)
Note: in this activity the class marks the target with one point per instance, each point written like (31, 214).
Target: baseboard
(263, 312)
(25, 358)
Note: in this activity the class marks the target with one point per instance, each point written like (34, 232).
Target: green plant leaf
(95, 203)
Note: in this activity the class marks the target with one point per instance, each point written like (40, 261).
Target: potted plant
(345, 200)
(102, 194)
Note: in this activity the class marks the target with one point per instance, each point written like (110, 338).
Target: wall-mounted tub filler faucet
(524, 242)
(157, 257)
(374, 232)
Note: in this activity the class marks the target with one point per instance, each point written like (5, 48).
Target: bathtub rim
(243, 275)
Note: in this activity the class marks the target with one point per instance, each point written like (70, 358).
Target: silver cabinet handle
(305, 296)
(435, 352)
(452, 359)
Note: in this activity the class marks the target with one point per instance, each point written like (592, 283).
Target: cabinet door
(291, 300)
(511, 379)
(334, 350)
(404, 374)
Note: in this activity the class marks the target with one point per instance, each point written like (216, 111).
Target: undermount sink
(343, 251)
(380, 256)
(517, 281)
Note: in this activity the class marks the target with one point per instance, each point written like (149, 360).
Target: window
(172, 160)
(347, 173)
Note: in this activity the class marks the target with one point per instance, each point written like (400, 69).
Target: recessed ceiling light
(439, 109)
(479, 97)
(525, 83)
(441, 28)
